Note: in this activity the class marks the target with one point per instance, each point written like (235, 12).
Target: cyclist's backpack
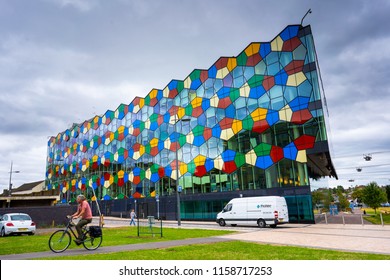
(95, 231)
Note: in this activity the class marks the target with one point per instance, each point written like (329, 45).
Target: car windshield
(20, 217)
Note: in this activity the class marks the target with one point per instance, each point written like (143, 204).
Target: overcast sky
(65, 61)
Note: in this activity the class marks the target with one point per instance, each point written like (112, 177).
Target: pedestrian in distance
(132, 217)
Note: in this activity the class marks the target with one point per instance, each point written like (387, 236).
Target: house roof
(27, 186)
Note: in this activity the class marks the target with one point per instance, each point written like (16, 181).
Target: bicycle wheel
(59, 241)
(92, 243)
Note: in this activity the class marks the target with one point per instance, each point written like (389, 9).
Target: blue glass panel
(230, 111)
(285, 58)
(305, 89)
(201, 120)
(261, 68)
(195, 84)
(237, 72)
(211, 121)
(209, 92)
(290, 93)
(200, 91)
(252, 105)
(249, 72)
(289, 32)
(198, 140)
(220, 114)
(265, 49)
(299, 53)
(240, 103)
(264, 101)
(273, 69)
(238, 82)
(256, 92)
(281, 78)
(223, 92)
(290, 151)
(216, 131)
(275, 92)
(172, 84)
(264, 162)
(299, 103)
(241, 113)
(277, 103)
(218, 84)
(272, 58)
(212, 73)
(228, 155)
(272, 117)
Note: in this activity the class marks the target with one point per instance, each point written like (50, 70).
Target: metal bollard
(362, 219)
(343, 219)
(382, 220)
(326, 218)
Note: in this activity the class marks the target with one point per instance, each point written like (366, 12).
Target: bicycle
(60, 240)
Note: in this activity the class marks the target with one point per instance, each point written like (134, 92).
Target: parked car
(16, 223)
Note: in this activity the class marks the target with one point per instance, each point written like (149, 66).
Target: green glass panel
(241, 59)
(263, 149)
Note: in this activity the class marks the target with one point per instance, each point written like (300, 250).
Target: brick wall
(44, 216)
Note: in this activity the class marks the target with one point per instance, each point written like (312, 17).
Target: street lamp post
(177, 173)
(10, 184)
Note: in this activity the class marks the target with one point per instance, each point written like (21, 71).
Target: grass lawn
(375, 218)
(229, 250)
(233, 250)
(111, 237)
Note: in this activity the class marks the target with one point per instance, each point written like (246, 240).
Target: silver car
(16, 223)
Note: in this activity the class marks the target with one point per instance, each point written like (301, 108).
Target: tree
(373, 195)
(357, 194)
(318, 197)
(387, 188)
(343, 201)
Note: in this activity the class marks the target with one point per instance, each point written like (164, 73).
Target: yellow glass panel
(214, 101)
(218, 163)
(301, 156)
(259, 114)
(285, 113)
(250, 158)
(296, 79)
(187, 82)
(237, 126)
(277, 44)
(153, 93)
(222, 73)
(232, 63)
(252, 49)
(244, 90)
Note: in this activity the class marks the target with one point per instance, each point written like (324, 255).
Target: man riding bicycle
(85, 214)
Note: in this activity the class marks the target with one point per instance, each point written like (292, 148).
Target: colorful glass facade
(249, 123)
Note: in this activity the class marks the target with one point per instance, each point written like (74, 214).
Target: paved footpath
(352, 238)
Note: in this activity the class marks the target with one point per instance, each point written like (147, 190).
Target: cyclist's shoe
(78, 242)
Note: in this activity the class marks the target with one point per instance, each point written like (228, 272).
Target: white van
(259, 210)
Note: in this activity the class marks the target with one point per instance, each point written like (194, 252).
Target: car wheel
(221, 222)
(2, 232)
(273, 226)
(261, 223)
(234, 225)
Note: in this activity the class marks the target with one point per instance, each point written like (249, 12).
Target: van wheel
(272, 226)
(261, 223)
(221, 222)
(234, 225)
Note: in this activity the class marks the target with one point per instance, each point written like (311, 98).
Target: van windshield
(228, 208)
